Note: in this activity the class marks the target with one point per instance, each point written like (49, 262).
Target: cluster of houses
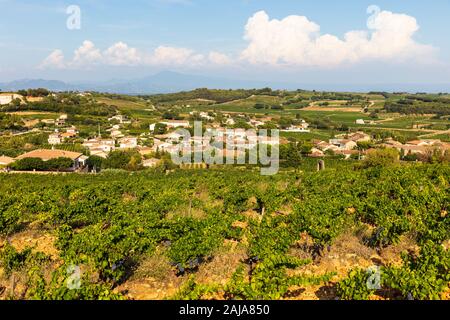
(222, 141)
(102, 147)
(342, 145)
(59, 122)
(60, 137)
(417, 147)
(225, 142)
(346, 145)
(303, 127)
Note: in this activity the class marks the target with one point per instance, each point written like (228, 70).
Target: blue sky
(246, 39)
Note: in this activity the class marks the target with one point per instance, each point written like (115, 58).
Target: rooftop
(45, 154)
(6, 160)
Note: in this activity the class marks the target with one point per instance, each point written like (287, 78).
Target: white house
(7, 98)
(206, 116)
(324, 146)
(203, 115)
(128, 143)
(344, 144)
(122, 119)
(174, 124)
(230, 122)
(360, 121)
(116, 134)
(99, 145)
(55, 138)
(296, 129)
(61, 121)
(360, 137)
(72, 130)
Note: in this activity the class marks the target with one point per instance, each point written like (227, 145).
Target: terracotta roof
(415, 142)
(50, 154)
(358, 135)
(6, 160)
(68, 134)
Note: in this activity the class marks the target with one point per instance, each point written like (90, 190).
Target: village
(218, 138)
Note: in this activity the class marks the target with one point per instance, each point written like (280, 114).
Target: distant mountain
(168, 81)
(163, 82)
(53, 85)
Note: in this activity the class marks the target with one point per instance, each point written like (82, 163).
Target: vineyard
(227, 234)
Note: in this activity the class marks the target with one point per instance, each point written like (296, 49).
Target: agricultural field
(326, 110)
(224, 234)
(317, 134)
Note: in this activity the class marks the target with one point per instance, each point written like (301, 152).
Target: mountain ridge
(170, 81)
(162, 82)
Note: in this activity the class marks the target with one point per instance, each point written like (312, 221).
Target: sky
(293, 41)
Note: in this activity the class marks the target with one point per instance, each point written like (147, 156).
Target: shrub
(128, 160)
(381, 158)
(30, 164)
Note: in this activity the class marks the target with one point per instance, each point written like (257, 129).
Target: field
(227, 234)
(327, 112)
(122, 104)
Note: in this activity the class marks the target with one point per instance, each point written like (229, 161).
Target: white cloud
(54, 60)
(295, 40)
(292, 41)
(164, 55)
(120, 54)
(87, 55)
(220, 59)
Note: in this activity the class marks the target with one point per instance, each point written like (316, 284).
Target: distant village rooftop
(50, 154)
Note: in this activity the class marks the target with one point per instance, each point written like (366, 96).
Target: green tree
(160, 128)
(28, 164)
(381, 158)
(95, 162)
(128, 160)
(59, 164)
